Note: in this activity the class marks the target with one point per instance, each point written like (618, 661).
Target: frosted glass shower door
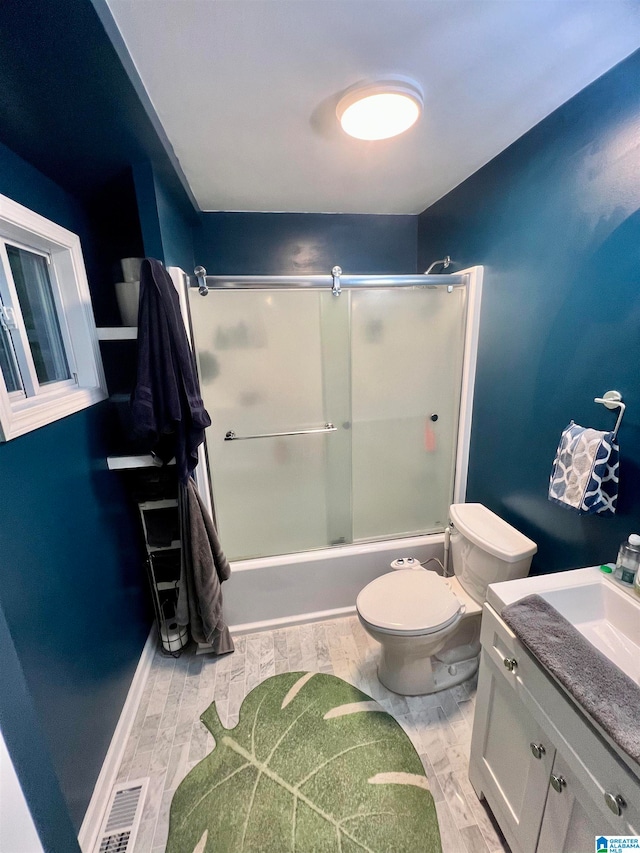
(262, 360)
(406, 360)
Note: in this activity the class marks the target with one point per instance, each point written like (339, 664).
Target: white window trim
(18, 417)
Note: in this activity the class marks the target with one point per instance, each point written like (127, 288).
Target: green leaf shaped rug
(313, 766)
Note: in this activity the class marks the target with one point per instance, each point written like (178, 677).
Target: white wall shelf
(121, 463)
(167, 503)
(166, 586)
(118, 333)
(173, 546)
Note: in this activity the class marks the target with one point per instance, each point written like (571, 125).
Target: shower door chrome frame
(472, 278)
(322, 282)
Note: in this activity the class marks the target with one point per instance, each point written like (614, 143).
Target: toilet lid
(408, 600)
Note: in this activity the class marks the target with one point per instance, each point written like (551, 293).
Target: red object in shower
(429, 438)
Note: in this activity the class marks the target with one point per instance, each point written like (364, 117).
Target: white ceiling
(246, 89)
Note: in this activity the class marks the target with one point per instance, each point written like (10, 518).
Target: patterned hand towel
(584, 477)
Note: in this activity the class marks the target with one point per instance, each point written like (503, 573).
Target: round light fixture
(379, 110)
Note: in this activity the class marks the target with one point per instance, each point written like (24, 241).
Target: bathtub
(273, 592)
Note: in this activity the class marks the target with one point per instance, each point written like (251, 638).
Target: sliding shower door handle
(328, 427)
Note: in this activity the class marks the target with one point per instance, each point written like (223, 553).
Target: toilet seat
(409, 602)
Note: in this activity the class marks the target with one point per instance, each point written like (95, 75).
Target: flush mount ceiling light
(380, 110)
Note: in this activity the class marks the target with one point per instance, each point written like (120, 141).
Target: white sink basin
(606, 616)
(605, 613)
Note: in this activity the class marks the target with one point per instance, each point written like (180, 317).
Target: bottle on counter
(628, 561)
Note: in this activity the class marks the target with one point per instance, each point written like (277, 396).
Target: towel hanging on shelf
(203, 568)
(584, 476)
(166, 403)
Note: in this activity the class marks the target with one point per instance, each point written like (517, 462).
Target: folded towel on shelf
(584, 477)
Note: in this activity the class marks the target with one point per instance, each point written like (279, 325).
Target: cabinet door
(571, 821)
(503, 767)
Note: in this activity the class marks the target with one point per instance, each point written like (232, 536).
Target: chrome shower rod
(323, 282)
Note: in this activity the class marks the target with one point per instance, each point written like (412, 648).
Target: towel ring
(613, 400)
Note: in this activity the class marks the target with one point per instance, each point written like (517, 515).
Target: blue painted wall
(113, 232)
(73, 104)
(148, 206)
(555, 219)
(22, 731)
(167, 221)
(309, 243)
(177, 222)
(72, 583)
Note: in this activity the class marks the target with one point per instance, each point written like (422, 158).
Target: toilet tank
(485, 549)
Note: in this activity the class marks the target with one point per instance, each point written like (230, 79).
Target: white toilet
(429, 626)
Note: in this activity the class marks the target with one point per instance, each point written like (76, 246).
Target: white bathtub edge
(402, 545)
(274, 592)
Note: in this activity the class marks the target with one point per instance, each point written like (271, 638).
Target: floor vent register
(124, 812)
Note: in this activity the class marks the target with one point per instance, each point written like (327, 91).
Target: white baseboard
(92, 822)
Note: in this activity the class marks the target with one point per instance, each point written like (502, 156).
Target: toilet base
(426, 675)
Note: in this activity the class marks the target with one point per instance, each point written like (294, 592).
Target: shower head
(446, 262)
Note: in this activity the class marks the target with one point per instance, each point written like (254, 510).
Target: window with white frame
(50, 362)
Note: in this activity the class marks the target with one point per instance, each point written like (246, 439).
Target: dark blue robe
(166, 405)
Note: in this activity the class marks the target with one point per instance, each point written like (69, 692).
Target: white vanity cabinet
(505, 771)
(570, 821)
(551, 780)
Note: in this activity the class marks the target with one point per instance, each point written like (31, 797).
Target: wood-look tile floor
(168, 739)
